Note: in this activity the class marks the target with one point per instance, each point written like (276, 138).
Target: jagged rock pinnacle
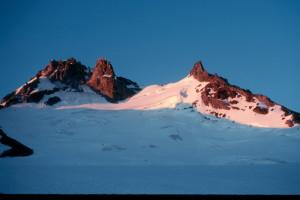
(198, 72)
(103, 78)
(105, 82)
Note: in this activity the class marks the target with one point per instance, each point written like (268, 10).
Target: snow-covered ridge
(68, 84)
(152, 97)
(185, 92)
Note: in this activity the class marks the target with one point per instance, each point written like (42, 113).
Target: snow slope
(185, 91)
(160, 151)
(163, 140)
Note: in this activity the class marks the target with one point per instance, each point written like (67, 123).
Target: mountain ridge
(207, 93)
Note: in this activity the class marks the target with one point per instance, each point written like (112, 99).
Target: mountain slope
(162, 140)
(165, 151)
(208, 94)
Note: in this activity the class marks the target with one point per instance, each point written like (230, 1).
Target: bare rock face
(218, 93)
(261, 110)
(17, 148)
(125, 88)
(290, 123)
(104, 81)
(71, 75)
(26, 94)
(295, 116)
(69, 72)
(199, 73)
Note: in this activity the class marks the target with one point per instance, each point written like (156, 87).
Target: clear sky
(254, 44)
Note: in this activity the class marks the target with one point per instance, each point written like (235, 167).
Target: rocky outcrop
(71, 75)
(26, 96)
(218, 90)
(125, 88)
(199, 73)
(261, 110)
(290, 123)
(219, 94)
(70, 72)
(295, 116)
(52, 100)
(17, 149)
(104, 81)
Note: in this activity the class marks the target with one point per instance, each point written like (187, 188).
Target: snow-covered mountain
(91, 131)
(69, 84)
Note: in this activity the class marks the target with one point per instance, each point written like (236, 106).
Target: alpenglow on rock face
(219, 97)
(71, 75)
(105, 82)
(103, 78)
(199, 73)
(69, 72)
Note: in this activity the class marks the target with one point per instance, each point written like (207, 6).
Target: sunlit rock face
(70, 72)
(71, 75)
(104, 81)
(56, 76)
(221, 95)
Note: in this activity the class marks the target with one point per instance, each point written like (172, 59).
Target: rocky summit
(69, 72)
(71, 75)
(104, 81)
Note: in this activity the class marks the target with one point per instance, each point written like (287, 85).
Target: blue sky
(254, 44)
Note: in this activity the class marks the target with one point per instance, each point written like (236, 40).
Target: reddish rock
(289, 123)
(261, 110)
(194, 104)
(213, 101)
(218, 91)
(103, 79)
(199, 73)
(73, 74)
(234, 102)
(69, 72)
(215, 114)
(105, 82)
(268, 102)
